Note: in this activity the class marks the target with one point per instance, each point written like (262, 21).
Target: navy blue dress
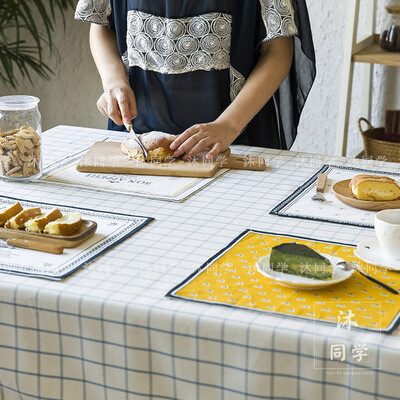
(187, 60)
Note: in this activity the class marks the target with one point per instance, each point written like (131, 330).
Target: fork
(321, 185)
(349, 266)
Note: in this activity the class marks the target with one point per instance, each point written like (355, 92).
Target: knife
(129, 128)
(33, 245)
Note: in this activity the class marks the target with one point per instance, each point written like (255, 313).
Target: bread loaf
(157, 145)
(374, 188)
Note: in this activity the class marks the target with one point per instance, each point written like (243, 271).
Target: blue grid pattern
(108, 332)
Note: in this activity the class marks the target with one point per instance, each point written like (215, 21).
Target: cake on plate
(375, 188)
(298, 259)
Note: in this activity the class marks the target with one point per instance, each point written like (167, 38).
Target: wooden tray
(343, 192)
(87, 230)
(107, 158)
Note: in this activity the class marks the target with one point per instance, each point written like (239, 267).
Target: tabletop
(108, 331)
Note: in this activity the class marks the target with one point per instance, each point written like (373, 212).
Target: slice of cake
(38, 223)
(18, 222)
(298, 259)
(374, 188)
(8, 212)
(67, 225)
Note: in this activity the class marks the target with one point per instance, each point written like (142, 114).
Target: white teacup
(387, 229)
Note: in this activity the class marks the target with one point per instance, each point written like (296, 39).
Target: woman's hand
(271, 69)
(216, 136)
(118, 103)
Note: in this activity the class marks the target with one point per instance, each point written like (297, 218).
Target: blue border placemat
(307, 188)
(125, 226)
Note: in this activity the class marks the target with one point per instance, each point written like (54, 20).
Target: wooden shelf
(366, 51)
(374, 54)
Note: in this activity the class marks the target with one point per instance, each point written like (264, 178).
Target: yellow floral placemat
(231, 278)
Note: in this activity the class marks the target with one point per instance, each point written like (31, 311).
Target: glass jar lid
(19, 102)
(393, 9)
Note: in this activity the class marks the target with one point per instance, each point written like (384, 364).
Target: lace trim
(175, 46)
(94, 11)
(278, 17)
(237, 82)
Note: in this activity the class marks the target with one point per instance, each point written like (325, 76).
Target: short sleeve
(278, 19)
(94, 11)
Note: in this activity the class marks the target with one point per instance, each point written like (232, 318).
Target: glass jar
(390, 37)
(20, 138)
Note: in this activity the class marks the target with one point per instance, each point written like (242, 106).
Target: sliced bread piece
(38, 223)
(8, 212)
(64, 226)
(18, 222)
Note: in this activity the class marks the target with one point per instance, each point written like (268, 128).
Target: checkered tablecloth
(108, 332)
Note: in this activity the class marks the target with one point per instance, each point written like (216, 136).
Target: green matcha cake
(298, 259)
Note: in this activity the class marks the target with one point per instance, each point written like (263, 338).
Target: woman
(214, 72)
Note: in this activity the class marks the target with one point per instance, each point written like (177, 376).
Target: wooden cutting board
(107, 157)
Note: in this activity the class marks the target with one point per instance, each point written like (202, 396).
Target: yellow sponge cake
(8, 212)
(18, 222)
(374, 188)
(67, 225)
(38, 223)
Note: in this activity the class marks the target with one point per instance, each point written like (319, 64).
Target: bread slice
(375, 188)
(64, 226)
(18, 222)
(8, 212)
(38, 223)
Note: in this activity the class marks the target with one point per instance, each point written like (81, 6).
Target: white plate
(372, 253)
(301, 282)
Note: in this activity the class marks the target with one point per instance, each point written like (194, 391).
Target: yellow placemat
(231, 278)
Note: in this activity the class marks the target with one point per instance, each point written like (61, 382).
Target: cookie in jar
(20, 153)
(20, 140)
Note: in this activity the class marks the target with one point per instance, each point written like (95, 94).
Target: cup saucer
(371, 252)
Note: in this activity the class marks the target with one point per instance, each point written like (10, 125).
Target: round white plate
(371, 252)
(301, 282)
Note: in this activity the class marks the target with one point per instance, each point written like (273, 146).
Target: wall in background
(70, 97)
(318, 124)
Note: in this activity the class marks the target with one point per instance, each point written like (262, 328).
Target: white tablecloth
(108, 332)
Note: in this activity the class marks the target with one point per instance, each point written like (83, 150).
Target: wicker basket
(374, 145)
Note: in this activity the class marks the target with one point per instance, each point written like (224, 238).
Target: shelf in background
(374, 54)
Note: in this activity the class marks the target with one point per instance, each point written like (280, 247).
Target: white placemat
(112, 228)
(166, 188)
(300, 205)
(61, 170)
